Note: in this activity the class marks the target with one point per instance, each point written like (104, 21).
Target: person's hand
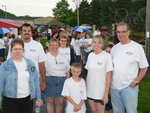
(43, 86)
(105, 99)
(132, 84)
(40, 103)
(77, 107)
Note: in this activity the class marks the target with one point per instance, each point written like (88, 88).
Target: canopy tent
(55, 22)
(9, 23)
(14, 25)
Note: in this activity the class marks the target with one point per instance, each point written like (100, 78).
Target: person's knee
(50, 102)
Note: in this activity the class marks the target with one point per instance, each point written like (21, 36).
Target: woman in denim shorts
(57, 70)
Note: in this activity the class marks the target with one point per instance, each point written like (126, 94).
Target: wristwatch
(136, 82)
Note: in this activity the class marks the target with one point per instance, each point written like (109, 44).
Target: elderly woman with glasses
(57, 71)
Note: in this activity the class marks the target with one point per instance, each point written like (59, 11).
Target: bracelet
(106, 89)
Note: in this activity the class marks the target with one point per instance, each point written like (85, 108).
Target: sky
(34, 8)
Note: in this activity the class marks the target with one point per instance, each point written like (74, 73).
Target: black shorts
(96, 100)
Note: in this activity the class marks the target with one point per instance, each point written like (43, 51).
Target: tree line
(102, 12)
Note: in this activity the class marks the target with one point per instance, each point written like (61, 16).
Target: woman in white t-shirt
(87, 46)
(64, 46)
(76, 46)
(19, 82)
(99, 66)
(57, 71)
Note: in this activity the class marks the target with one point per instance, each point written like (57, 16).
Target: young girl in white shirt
(74, 90)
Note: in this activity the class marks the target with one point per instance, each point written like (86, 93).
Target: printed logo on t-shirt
(129, 53)
(33, 50)
(66, 53)
(81, 92)
(61, 63)
(76, 43)
(99, 63)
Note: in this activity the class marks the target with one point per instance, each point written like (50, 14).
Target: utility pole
(77, 7)
(147, 43)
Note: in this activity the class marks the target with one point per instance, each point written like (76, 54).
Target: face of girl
(17, 51)
(87, 36)
(53, 46)
(73, 32)
(63, 42)
(97, 45)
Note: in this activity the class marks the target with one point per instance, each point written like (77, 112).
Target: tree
(62, 12)
(94, 12)
(2, 13)
(84, 12)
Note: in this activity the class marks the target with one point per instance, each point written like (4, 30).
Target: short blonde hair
(101, 39)
(76, 65)
(53, 40)
(64, 35)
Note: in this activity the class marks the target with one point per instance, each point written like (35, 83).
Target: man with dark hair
(128, 56)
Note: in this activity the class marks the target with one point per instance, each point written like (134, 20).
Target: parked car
(88, 26)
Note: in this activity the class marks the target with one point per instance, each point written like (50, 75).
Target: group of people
(113, 71)
(5, 42)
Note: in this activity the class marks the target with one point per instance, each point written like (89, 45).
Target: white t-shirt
(19, 36)
(77, 92)
(23, 87)
(72, 41)
(96, 33)
(76, 46)
(127, 59)
(9, 43)
(2, 44)
(66, 52)
(56, 66)
(6, 39)
(97, 65)
(49, 31)
(87, 42)
(33, 51)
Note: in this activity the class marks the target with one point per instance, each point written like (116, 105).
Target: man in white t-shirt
(128, 56)
(49, 33)
(97, 32)
(33, 50)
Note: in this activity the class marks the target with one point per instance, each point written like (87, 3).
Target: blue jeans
(86, 54)
(78, 58)
(125, 100)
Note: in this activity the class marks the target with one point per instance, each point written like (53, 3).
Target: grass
(144, 96)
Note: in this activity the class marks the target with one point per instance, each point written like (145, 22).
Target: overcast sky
(34, 8)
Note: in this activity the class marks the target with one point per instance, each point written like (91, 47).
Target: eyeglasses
(123, 32)
(56, 61)
(63, 40)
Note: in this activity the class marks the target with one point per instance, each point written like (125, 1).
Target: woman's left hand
(105, 99)
(40, 103)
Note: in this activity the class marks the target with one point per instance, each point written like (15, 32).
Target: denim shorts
(54, 86)
(2, 52)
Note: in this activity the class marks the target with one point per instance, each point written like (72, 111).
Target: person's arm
(1, 82)
(42, 71)
(68, 74)
(86, 79)
(139, 78)
(77, 107)
(105, 97)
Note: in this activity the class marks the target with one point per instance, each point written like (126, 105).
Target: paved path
(88, 110)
